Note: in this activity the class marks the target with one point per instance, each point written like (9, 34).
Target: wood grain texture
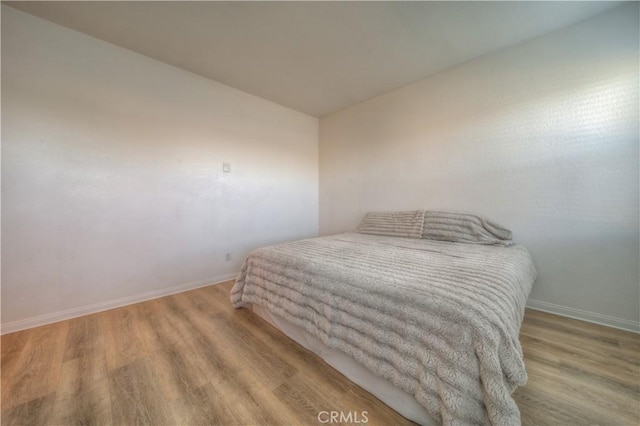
(191, 358)
(579, 373)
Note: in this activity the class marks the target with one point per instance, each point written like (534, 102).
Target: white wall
(112, 183)
(541, 137)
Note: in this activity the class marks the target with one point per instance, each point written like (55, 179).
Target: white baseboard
(537, 305)
(609, 321)
(111, 304)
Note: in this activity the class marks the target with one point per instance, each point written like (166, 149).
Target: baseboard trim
(588, 316)
(111, 304)
(538, 305)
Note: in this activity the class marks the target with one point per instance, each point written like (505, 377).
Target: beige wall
(541, 137)
(112, 183)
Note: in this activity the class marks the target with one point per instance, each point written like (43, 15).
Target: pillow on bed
(394, 224)
(463, 228)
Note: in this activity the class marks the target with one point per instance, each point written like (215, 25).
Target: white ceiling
(315, 57)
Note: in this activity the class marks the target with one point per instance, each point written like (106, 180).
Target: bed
(428, 325)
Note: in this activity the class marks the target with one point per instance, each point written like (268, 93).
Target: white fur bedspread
(440, 320)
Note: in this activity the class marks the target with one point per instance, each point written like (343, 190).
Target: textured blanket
(439, 320)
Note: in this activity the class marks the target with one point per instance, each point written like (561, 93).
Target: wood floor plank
(579, 373)
(35, 412)
(583, 395)
(605, 374)
(210, 406)
(306, 400)
(600, 347)
(83, 396)
(191, 358)
(136, 397)
(122, 339)
(12, 346)
(85, 336)
(595, 332)
(532, 401)
(238, 369)
(175, 364)
(273, 368)
(35, 372)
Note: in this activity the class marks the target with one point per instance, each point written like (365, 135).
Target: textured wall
(112, 181)
(542, 137)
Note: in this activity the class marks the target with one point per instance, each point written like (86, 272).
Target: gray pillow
(394, 224)
(464, 228)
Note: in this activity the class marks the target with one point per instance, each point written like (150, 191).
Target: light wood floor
(192, 359)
